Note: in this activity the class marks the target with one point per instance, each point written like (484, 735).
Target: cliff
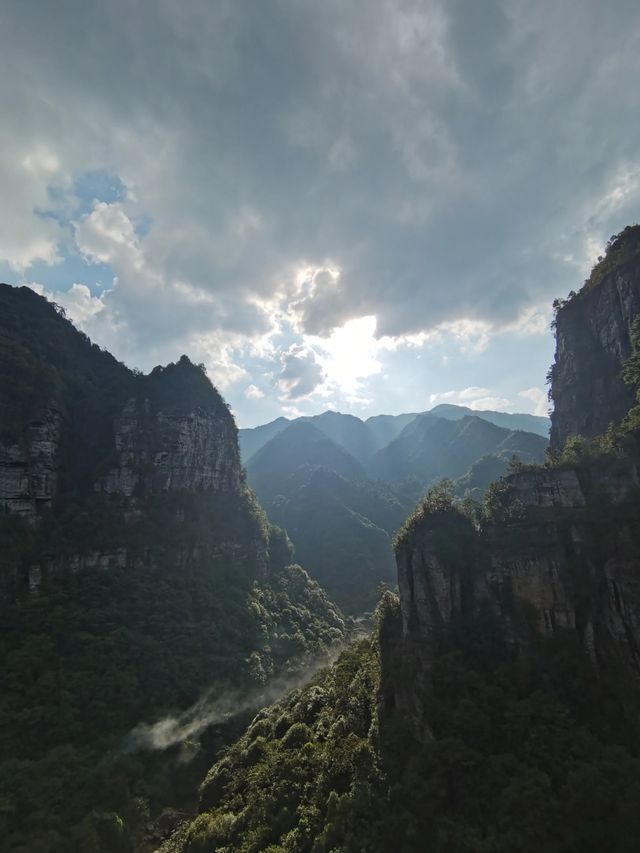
(592, 343)
(555, 549)
(74, 420)
(164, 445)
(83, 436)
(138, 577)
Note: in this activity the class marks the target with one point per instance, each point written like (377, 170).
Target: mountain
(137, 574)
(520, 421)
(341, 514)
(338, 521)
(342, 530)
(593, 332)
(480, 475)
(384, 428)
(496, 706)
(251, 440)
(301, 443)
(364, 438)
(430, 448)
(352, 434)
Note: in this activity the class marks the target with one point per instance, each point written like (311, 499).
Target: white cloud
(106, 235)
(349, 355)
(473, 397)
(79, 304)
(252, 392)
(538, 397)
(368, 162)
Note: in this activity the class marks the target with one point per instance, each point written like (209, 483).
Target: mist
(214, 708)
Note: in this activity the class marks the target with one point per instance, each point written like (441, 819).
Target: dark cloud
(451, 159)
(300, 374)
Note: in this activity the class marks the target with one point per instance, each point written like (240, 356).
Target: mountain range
(364, 438)
(341, 486)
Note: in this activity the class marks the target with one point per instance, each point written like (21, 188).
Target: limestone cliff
(86, 442)
(592, 343)
(560, 551)
(29, 467)
(76, 421)
(172, 448)
(556, 547)
(139, 578)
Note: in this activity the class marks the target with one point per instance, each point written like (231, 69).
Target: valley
(176, 681)
(341, 487)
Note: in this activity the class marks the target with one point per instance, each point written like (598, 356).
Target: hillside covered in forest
(341, 487)
(495, 708)
(137, 573)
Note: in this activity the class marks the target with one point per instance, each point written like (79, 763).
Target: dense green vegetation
(119, 611)
(341, 522)
(526, 754)
(299, 444)
(620, 249)
(342, 530)
(304, 776)
(45, 361)
(95, 653)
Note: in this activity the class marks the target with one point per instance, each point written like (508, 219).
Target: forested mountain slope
(496, 709)
(137, 571)
(430, 448)
(341, 509)
(363, 439)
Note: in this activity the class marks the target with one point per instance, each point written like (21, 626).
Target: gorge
(492, 709)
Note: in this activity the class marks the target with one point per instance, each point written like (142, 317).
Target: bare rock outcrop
(175, 450)
(29, 469)
(592, 344)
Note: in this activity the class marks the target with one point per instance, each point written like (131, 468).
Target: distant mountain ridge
(364, 438)
(430, 448)
(341, 493)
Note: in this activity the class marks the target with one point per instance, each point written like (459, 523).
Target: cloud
(539, 399)
(445, 168)
(106, 235)
(301, 373)
(252, 392)
(79, 304)
(474, 398)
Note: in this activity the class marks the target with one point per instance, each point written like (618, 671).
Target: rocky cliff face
(558, 546)
(562, 552)
(172, 450)
(29, 467)
(592, 343)
(74, 421)
(117, 453)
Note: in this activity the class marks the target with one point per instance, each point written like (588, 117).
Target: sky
(359, 205)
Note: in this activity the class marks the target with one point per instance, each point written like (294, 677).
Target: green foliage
(182, 385)
(96, 653)
(342, 532)
(304, 777)
(438, 500)
(529, 752)
(620, 249)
